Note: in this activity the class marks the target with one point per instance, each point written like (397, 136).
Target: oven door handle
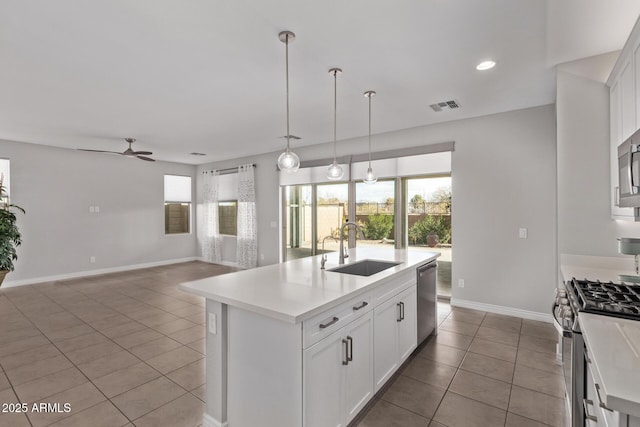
(567, 333)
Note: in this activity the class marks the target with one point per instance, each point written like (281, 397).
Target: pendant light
(369, 178)
(288, 161)
(335, 172)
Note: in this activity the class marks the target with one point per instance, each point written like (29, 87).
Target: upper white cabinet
(624, 108)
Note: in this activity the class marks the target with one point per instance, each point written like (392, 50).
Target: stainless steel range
(605, 298)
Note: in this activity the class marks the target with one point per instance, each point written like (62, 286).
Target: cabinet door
(407, 331)
(359, 371)
(385, 341)
(627, 100)
(323, 379)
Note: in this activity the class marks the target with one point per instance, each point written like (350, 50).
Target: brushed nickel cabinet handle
(346, 352)
(350, 353)
(358, 307)
(399, 319)
(326, 325)
(401, 310)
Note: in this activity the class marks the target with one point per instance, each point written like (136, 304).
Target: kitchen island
(293, 345)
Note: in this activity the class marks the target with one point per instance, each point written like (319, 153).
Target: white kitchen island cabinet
(291, 345)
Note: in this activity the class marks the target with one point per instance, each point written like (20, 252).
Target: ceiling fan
(128, 152)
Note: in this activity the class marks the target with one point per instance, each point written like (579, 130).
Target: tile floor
(481, 370)
(127, 349)
(122, 349)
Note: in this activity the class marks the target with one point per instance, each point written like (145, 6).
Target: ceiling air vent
(446, 105)
(197, 154)
(291, 137)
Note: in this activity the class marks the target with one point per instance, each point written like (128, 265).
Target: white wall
(504, 177)
(56, 186)
(585, 226)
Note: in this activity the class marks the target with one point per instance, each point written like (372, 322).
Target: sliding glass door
(298, 211)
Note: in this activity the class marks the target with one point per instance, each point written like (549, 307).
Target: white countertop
(296, 290)
(614, 347)
(613, 343)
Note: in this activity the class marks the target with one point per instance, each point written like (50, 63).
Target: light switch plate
(92, 209)
(213, 324)
(522, 233)
(97, 209)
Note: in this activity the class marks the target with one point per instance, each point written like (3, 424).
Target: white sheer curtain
(247, 250)
(211, 239)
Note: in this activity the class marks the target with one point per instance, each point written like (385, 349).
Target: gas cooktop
(608, 298)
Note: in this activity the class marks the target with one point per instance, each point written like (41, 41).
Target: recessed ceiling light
(485, 65)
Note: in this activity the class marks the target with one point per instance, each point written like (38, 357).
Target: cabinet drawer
(396, 285)
(322, 325)
(606, 417)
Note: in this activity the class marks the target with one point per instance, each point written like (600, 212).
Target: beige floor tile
(414, 395)
(483, 389)
(514, 420)
(459, 327)
(489, 366)
(138, 338)
(158, 319)
(105, 365)
(188, 310)
(103, 414)
(79, 342)
(453, 340)
(539, 330)
(200, 392)
(174, 326)
(125, 379)
(23, 345)
(535, 359)
(29, 356)
(33, 371)
(79, 398)
(64, 334)
(502, 324)
(190, 376)
(537, 406)
(385, 414)
(155, 348)
(147, 397)
(493, 349)
(537, 380)
(467, 315)
(199, 319)
(36, 390)
(187, 410)
(93, 352)
(430, 372)
(541, 345)
(174, 359)
(459, 411)
(496, 335)
(442, 354)
(18, 334)
(189, 335)
(200, 346)
(12, 419)
(123, 329)
(4, 381)
(436, 424)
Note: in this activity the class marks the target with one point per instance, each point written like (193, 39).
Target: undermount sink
(366, 267)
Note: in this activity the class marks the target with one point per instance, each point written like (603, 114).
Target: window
(177, 204)
(375, 212)
(4, 177)
(228, 217)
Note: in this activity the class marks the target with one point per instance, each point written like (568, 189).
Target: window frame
(219, 218)
(173, 202)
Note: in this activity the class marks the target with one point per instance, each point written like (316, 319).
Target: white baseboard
(499, 309)
(11, 283)
(209, 421)
(227, 263)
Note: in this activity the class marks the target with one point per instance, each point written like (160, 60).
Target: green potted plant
(10, 237)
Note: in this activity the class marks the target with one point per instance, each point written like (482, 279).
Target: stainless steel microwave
(629, 172)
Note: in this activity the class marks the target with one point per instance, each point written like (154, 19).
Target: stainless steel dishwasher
(427, 304)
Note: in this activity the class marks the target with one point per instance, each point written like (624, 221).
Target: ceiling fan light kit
(335, 172)
(288, 161)
(370, 177)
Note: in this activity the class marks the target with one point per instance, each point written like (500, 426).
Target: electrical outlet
(213, 324)
(461, 283)
(522, 233)
(92, 259)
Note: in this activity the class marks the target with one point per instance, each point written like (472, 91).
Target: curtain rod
(227, 171)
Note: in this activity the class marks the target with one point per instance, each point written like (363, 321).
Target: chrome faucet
(343, 255)
(323, 258)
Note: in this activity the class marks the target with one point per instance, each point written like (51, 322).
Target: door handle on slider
(602, 405)
(586, 403)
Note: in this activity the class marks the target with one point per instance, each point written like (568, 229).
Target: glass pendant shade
(370, 178)
(288, 161)
(335, 172)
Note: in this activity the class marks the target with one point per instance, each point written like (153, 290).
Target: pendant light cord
(369, 131)
(287, 77)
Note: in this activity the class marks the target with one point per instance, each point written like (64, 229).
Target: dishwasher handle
(423, 269)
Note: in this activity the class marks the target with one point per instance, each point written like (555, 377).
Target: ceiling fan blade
(148, 159)
(98, 151)
(142, 153)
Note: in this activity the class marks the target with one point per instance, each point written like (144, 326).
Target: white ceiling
(208, 75)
